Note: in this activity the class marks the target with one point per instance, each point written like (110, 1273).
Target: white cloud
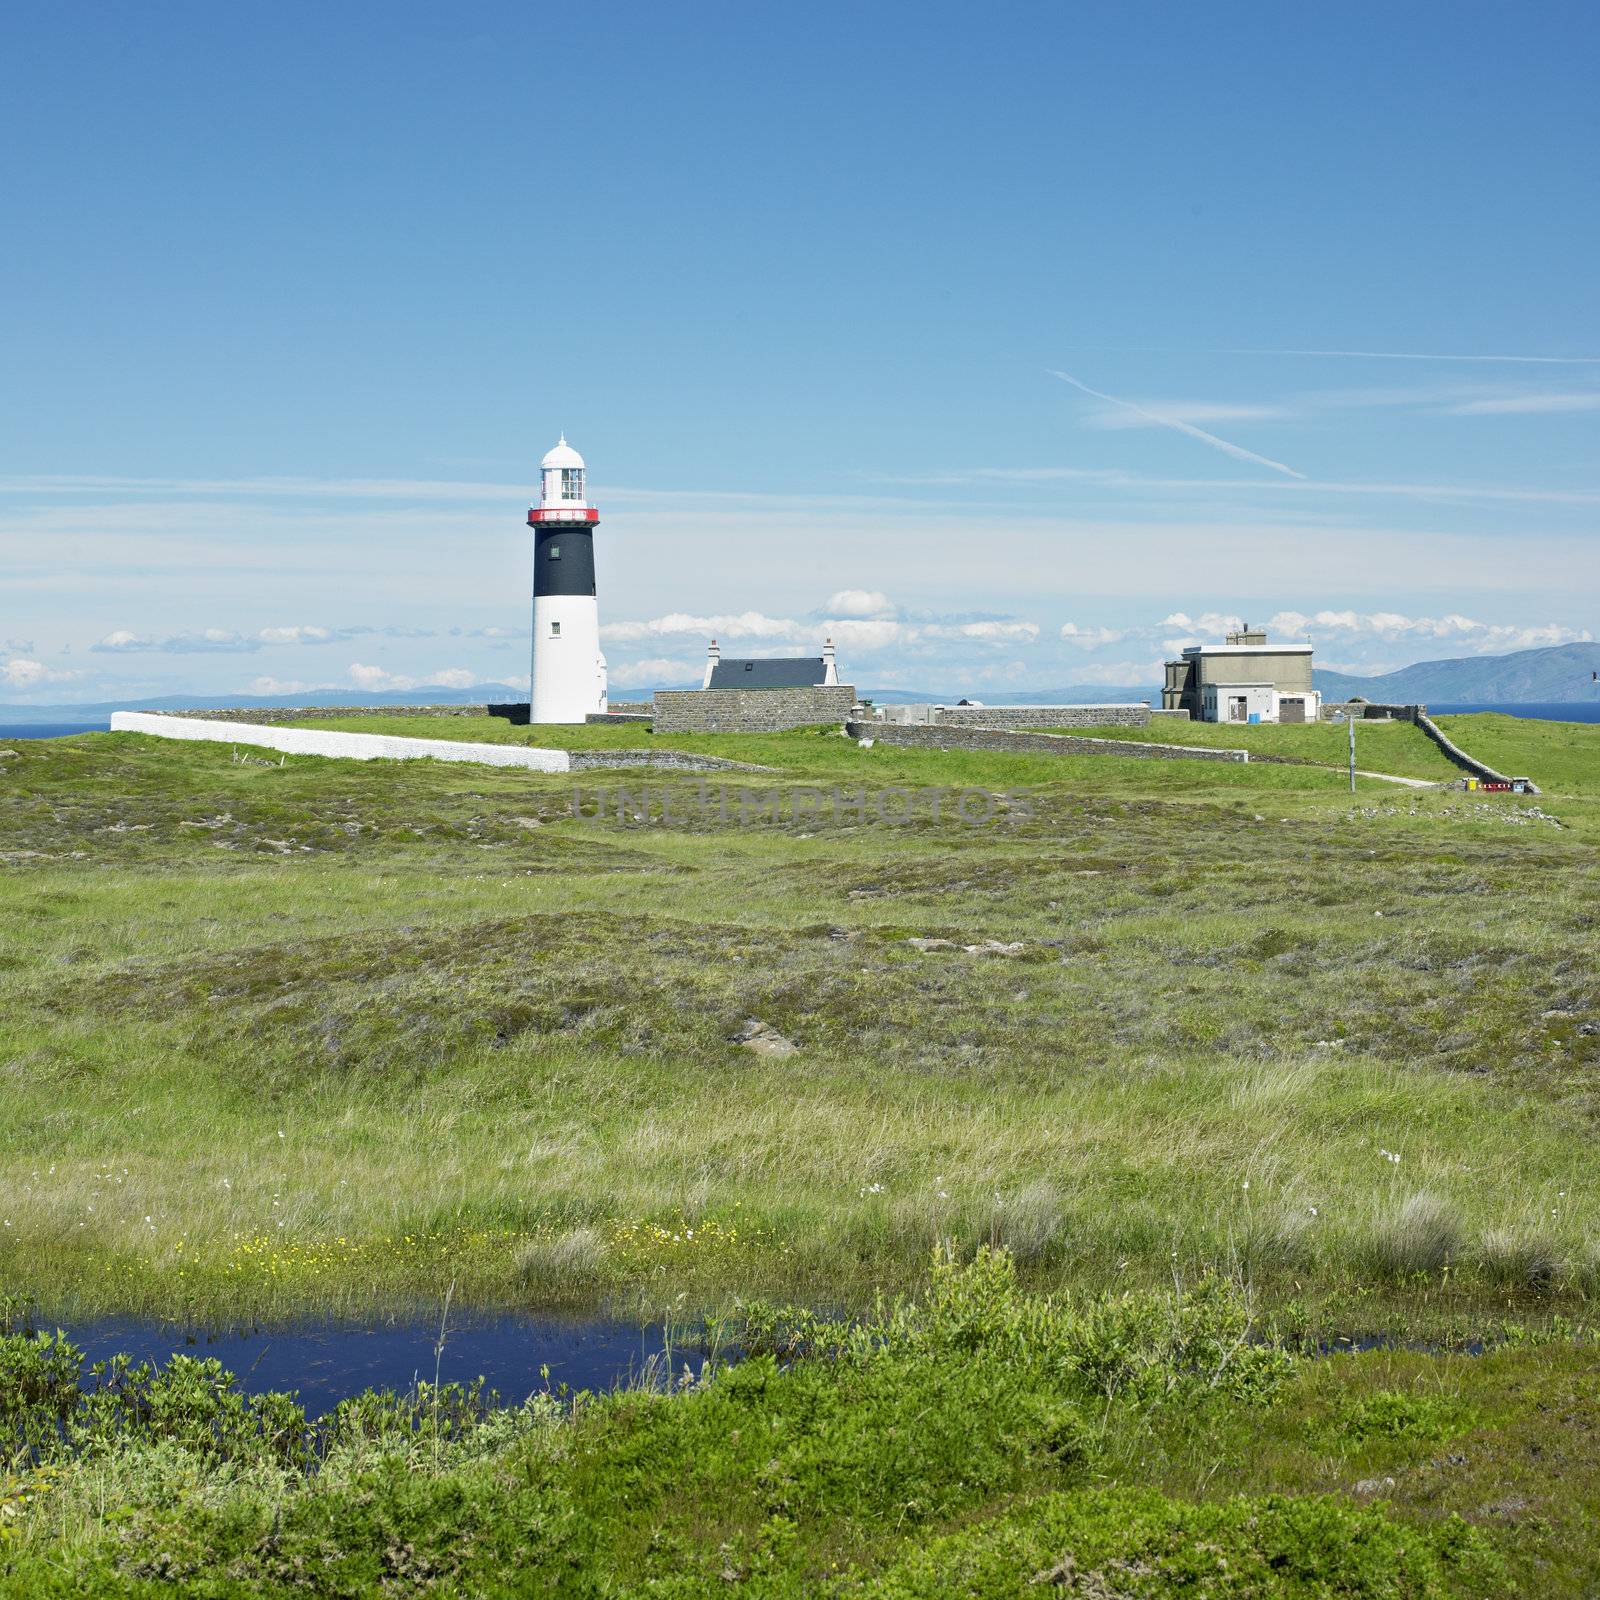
(277, 686)
(20, 672)
(1409, 355)
(859, 603)
(743, 625)
(1527, 404)
(370, 677)
(207, 641)
(851, 633)
(296, 635)
(1090, 638)
(1123, 415)
(454, 678)
(1208, 622)
(1237, 451)
(990, 632)
(657, 669)
(1479, 638)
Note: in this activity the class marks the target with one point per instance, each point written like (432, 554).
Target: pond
(329, 1361)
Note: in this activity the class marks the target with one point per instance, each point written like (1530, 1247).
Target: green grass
(1563, 758)
(432, 1025)
(1393, 747)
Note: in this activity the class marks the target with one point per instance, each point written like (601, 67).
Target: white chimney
(713, 656)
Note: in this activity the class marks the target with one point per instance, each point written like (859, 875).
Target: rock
(1511, 1507)
(5, 753)
(865, 744)
(764, 1039)
(994, 947)
(932, 944)
(1556, 1015)
(1374, 1485)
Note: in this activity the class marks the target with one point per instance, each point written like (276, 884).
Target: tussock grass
(1422, 1234)
(1521, 1259)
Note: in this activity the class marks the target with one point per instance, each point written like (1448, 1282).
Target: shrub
(1421, 1235)
(1139, 1545)
(1393, 1414)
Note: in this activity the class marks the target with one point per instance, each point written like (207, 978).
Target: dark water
(50, 730)
(1545, 710)
(327, 1362)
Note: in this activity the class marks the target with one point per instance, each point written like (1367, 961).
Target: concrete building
(569, 672)
(1244, 680)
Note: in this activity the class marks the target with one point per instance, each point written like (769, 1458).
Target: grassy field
(1393, 747)
(321, 1035)
(1225, 1060)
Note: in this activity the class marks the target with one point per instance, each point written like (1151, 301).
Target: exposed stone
(764, 1039)
(932, 944)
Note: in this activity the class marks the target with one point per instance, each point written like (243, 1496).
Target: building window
(572, 483)
(555, 552)
(555, 630)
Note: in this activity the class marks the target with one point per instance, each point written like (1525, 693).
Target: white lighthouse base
(569, 672)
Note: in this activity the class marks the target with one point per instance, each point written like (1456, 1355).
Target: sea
(51, 730)
(1544, 711)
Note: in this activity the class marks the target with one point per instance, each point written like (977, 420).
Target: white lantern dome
(563, 455)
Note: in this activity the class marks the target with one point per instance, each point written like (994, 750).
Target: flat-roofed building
(1244, 680)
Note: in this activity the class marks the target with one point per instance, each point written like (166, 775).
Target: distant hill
(1561, 673)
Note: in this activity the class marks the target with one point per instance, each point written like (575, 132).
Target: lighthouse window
(555, 630)
(572, 483)
(555, 552)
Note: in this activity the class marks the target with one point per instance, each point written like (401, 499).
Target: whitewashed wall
(328, 742)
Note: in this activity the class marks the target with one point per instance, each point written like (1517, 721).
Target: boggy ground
(1258, 1062)
(971, 1441)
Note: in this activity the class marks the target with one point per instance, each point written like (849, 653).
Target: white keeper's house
(1244, 680)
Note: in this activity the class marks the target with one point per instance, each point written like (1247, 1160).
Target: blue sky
(844, 305)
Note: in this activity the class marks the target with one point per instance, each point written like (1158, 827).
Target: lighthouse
(569, 673)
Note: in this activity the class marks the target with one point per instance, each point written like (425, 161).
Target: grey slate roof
(769, 672)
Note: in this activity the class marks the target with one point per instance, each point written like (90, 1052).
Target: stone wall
(1051, 744)
(1467, 763)
(268, 715)
(750, 710)
(1101, 716)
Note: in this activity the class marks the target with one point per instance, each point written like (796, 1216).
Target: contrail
(1237, 451)
(1410, 355)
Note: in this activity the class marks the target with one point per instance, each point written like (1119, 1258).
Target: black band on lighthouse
(563, 560)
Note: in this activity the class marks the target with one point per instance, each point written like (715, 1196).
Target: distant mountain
(1561, 673)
